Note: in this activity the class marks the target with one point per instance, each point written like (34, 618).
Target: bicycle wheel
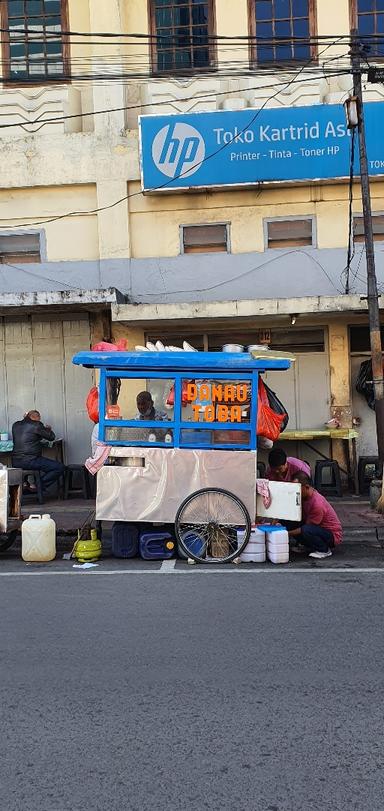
(212, 526)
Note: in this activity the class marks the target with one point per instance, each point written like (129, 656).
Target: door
(37, 372)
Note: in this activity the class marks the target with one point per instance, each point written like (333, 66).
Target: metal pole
(372, 294)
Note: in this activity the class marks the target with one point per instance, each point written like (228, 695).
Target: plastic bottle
(152, 437)
(38, 538)
(168, 438)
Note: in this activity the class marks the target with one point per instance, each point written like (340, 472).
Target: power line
(167, 183)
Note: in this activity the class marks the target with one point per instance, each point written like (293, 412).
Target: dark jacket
(27, 435)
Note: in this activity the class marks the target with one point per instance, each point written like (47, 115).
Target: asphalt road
(195, 691)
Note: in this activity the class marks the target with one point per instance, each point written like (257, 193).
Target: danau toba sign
(292, 144)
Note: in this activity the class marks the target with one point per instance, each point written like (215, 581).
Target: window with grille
(205, 238)
(181, 35)
(377, 227)
(286, 233)
(34, 48)
(282, 30)
(19, 248)
(368, 18)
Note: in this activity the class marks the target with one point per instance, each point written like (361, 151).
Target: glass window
(282, 30)
(206, 401)
(205, 238)
(139, 399)
(285, 233)
(36, 45)
(20, 248)
(182, 28)
(369, 17)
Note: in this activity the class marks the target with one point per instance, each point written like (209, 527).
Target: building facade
(86, 254)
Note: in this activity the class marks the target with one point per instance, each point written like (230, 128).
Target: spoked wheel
(212, 526)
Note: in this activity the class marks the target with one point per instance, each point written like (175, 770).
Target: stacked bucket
(267, 541)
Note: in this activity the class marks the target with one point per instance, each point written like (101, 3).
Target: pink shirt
(294, 466)
(317, 510)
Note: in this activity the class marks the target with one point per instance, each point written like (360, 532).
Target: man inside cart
(28, 434)
(320, 530)
(146, 408)
(283, 468)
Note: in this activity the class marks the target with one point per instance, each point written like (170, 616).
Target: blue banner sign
(226, 148)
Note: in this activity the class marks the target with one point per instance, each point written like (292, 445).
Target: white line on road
(168, 565)
(196, 570)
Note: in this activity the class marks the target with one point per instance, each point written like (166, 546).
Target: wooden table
(347, 435)
(54, 450)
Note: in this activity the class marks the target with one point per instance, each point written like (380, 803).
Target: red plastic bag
(269, 423)
(184, 395)
(103, 346)
(92, 404)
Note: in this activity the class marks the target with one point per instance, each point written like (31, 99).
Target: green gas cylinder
(88, 550)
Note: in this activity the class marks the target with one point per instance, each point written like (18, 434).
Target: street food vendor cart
(193, 462)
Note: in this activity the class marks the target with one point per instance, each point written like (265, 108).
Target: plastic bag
(103, 346)
(364, 384)
(269, 422)
(184, 395)
(276, 405)
(92, 404)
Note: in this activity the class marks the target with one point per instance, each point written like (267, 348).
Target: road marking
(168, 565)
(199, 570)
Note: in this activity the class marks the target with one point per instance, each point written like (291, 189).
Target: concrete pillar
(340, 374)
(113, 223)
(107, 58)
(340, 380)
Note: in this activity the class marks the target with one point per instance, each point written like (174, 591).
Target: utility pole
(372, 294)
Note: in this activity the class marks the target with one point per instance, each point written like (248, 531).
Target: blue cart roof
(173, 361)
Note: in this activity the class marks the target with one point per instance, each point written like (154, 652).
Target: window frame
(361, 237)
(226, 225)
(267, 220)
(212, 47)
(354, 24)
(8, 81)
(27, 232)
(252, 34)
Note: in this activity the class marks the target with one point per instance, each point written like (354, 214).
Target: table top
(327, 433)
(7, 446)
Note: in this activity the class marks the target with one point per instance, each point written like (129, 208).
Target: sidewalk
(354, 512)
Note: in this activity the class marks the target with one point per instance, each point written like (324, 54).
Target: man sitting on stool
(320, 530)
(27, 448)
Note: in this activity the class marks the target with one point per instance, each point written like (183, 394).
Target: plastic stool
(74, 472)
(260, 470)
(35, 474)
(333, 487)
(364, 476)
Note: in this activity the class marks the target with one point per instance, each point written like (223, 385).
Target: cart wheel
(7, 539)
(212, 526)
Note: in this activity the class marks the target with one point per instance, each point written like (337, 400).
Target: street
(192, 689)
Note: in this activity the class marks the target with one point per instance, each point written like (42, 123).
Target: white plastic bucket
(253, 556)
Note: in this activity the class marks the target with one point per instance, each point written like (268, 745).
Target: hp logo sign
(178, 149)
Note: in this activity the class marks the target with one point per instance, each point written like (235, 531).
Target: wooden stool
(35, 474)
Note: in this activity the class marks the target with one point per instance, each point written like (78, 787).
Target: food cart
(10, 505)
(192, 462)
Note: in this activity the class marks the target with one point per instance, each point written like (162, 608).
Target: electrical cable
(169, 182)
